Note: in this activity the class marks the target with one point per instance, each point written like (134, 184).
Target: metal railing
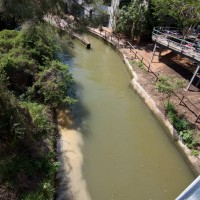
(172, 39)
(138, 56)
(195, 110)
(112, 37)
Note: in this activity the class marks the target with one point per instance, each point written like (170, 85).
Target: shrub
(54, 86)
(167, 84)
(140, 64)
(187, 136)
(33, 171)
(194, 152)
(32, 81)
(183, 127)
(38, 113)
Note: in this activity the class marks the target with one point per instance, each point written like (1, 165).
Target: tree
(54, 86)
(186, 13)
(32, 83)
(29, 70)
(132, 19)
(34, 10)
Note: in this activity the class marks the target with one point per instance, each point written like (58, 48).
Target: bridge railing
(172, 38)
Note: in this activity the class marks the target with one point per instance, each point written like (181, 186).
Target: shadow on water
(72, 186)
(73, 118)
(71, 127)
(77, 112)
(64, 189)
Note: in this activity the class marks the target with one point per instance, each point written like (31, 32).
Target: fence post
(181, 100)
(157, 77)
(153, 52)
(149, 67)
(197, 118)
(195, 73)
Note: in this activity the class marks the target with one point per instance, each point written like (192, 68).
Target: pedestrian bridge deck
(174, 41)
(171, 39)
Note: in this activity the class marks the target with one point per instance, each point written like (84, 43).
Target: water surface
(126, 152)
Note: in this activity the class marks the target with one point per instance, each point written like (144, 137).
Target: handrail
(142, 59)
(195, 110)
(172, 34)
(173, 41)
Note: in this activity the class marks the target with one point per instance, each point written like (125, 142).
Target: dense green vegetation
(32, 84)
(184, 13)
(168, 84)
(186, 130)
(132, 19)
(137, 18)
(32, 11)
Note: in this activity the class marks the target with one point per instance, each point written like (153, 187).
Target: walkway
(172, 40)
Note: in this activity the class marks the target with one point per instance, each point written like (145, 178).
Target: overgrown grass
(168, 84)
(31, 178)
(185, 129)
(140, 64)
(38, 113)
(32, 84)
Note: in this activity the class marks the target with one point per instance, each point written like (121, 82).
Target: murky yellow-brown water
(115, 147)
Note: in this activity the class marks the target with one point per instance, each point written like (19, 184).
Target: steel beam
(153, 52)
(195, 73)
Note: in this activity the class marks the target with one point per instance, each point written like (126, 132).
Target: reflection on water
(126, 153)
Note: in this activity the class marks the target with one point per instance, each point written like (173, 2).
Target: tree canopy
(132, 19)
(33, 10)
(186, 13)
(32, 83)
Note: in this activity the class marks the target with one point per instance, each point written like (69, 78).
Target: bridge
(172, 39)
(192, 192)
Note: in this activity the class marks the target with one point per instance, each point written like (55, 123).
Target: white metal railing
(192, 191)
(171, 38)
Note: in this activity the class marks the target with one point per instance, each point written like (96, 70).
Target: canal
(124, 152)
